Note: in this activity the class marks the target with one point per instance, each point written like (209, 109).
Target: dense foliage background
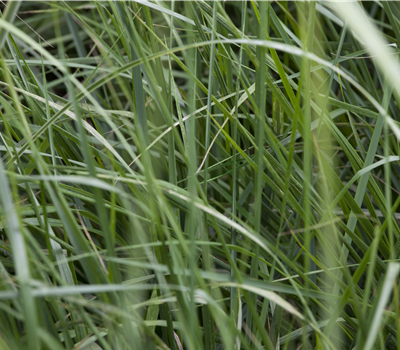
(199, 175)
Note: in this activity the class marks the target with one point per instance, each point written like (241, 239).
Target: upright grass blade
(8, 16)
(234, 304)
(259, 139)
(17, 240)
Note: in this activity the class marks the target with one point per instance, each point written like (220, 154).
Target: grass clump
(199, 175)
